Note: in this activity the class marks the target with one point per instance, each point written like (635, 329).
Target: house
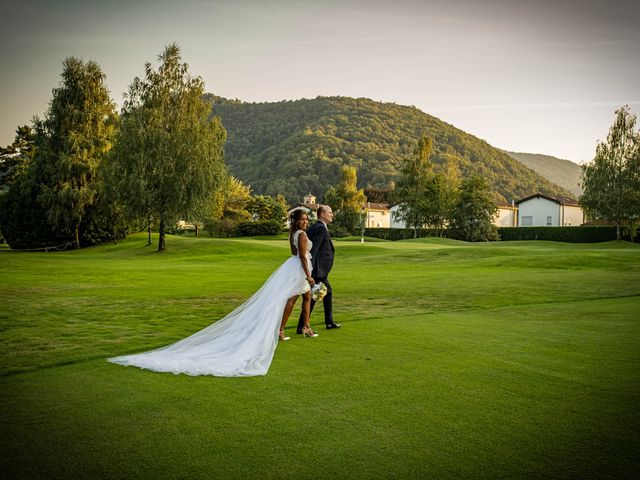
(540, 210)
(394, 222)
(308, 204)
(507, 215)
(378, 215)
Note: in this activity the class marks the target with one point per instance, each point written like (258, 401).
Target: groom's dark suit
(321, 262)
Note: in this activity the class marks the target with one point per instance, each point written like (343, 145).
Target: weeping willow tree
(169, 155)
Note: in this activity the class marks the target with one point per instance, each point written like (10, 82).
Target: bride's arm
(302, 249)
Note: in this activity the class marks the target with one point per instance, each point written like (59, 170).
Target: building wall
(538, 212)
(573, 215)
(393, 222)
(378, 218)
(506, 217)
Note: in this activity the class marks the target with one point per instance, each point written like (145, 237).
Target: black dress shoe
(299, 332)
(333, 325)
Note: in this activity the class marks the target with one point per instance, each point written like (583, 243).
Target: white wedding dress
(242, 343)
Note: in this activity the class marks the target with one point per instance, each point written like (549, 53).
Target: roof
(314, 206)
(377, 206)
(310, 206)
(559, 200)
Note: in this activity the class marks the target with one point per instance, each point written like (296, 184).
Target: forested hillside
(297, 147)
(561, 172)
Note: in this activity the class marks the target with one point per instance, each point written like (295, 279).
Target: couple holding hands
(315, 250)
(243, 342)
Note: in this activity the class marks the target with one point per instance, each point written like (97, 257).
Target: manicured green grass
(455, 360)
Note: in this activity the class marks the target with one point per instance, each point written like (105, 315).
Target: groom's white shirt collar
(325, 225)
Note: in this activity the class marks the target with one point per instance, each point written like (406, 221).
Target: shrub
(251, 229)
(398, 233)
(563, 234)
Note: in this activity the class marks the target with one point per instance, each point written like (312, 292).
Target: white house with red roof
(539, 210)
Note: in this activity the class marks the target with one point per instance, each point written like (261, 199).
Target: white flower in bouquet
(318, 292)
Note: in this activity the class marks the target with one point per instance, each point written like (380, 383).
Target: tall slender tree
(348, 202)
(611, 182)
(169, 153)
(415, 175)
(71, 141)
(440, 195)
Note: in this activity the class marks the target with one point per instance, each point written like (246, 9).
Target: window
(527, 221)
(548, 221)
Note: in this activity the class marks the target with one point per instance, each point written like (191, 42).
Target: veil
(240, 344)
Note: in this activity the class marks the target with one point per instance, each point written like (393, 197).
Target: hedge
(399, 233)
(563, 234)
(252, 229)
(556, 234)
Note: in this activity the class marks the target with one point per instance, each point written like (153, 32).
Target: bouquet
(318, 292)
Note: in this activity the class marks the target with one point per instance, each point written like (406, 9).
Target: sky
(537, 76)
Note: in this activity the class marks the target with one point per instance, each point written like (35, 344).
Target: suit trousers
(327, 303)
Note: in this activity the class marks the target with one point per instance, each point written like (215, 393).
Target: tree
(413, 183)
(473, 213)
(611, 182)
(229, 208)
(440, 196)
(71, 141)
(170, 151)
(266, 208)
(16, 158)
(23, 220)
(348, 202)
(53, 196)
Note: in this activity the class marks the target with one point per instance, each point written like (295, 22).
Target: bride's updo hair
(294, 219)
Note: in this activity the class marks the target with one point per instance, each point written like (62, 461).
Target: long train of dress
(240, 344)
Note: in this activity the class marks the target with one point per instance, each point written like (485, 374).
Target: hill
(297, 147)
(561, 172)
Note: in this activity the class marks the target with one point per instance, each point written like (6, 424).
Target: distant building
(308, 204)
(377, 215)
(540, 210)
(507, 215)
(396, 223)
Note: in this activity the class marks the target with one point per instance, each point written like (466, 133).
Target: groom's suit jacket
(321, 251)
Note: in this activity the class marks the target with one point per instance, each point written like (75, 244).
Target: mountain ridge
(564, 173)
(295, 147)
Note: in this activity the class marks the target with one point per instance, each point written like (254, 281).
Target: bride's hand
(311, 282)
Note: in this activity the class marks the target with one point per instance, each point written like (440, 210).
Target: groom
(321, 262)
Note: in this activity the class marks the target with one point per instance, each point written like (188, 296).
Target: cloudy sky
(540, 76)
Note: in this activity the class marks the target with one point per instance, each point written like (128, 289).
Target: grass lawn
(455, 360)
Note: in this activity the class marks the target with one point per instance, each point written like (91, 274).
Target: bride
(243, 342)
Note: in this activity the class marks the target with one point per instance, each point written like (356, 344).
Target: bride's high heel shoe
(282, 337)
(307, 332)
